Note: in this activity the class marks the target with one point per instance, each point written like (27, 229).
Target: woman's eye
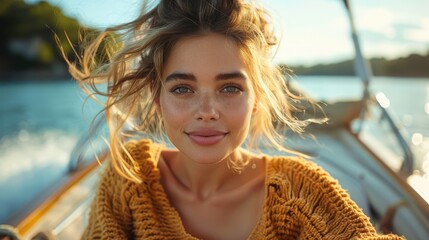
(181, 90)
(231, 89)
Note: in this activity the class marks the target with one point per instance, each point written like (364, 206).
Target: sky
(311, 31)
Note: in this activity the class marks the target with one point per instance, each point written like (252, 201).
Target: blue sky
(311, 31)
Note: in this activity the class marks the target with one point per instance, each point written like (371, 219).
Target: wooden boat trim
(27, 218)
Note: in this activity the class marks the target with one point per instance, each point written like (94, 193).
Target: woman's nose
(207, 109)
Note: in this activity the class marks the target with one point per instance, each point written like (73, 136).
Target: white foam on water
(29, 164)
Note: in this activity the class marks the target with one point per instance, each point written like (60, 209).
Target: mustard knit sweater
(302, 202)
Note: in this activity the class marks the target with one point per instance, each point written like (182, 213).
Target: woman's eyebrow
(181, 76)
(191, 77)
(231, 75)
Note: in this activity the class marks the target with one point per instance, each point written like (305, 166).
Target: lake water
(40, 122)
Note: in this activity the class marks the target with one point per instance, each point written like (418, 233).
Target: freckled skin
(206, 105)
(222, 105)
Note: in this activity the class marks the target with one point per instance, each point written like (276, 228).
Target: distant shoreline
(413, 65)
(353, 75)
(51, 76)
(33, 76)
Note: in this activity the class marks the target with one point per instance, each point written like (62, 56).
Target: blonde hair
(133, 55)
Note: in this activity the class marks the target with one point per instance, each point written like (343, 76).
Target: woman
(199, 73)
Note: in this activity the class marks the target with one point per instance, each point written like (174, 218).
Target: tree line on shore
(28, 45)
(413, 65)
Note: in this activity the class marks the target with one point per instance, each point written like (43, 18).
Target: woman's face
(207, 100)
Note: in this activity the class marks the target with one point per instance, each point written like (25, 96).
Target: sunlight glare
(427, 108)
(417, 139)
(425, 165)
(382, 99)
(420, 183)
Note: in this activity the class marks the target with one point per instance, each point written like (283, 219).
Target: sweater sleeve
(109, 216)
(322, 208)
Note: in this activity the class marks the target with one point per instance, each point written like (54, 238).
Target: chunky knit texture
(302, 202)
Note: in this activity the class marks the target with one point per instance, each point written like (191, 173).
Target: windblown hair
(133, 56)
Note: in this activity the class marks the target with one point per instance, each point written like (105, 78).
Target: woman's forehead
(210, 52)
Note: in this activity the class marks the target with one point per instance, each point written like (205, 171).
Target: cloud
(389, 32)
(378, 20)
(391, 49)
(312, 47)
(392, 25)
(420, 34)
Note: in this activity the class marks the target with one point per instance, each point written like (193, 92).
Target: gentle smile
(206, 137)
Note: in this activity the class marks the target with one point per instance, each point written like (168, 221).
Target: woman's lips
(206, 136)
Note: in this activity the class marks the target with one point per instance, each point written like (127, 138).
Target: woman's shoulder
(145, 154)
(307, 196)
(296, 167)
(300, 177)
(143, 149)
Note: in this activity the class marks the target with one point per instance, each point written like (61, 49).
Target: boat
(362, 146)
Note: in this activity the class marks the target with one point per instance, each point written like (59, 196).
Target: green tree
(414, 65)
(28, 31)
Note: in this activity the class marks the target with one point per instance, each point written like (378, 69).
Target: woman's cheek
(174, 109)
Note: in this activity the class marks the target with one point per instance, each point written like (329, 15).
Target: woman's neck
(204, 182)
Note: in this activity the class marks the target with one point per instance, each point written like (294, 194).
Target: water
(409, 97)
(40, 122)
(408, 100)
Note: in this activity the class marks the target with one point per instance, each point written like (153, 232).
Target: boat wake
(31, 163)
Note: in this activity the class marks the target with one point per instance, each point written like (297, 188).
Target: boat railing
(363, 70)
(79, 154)
(380, 132)
(79, 211)
(407, 165)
